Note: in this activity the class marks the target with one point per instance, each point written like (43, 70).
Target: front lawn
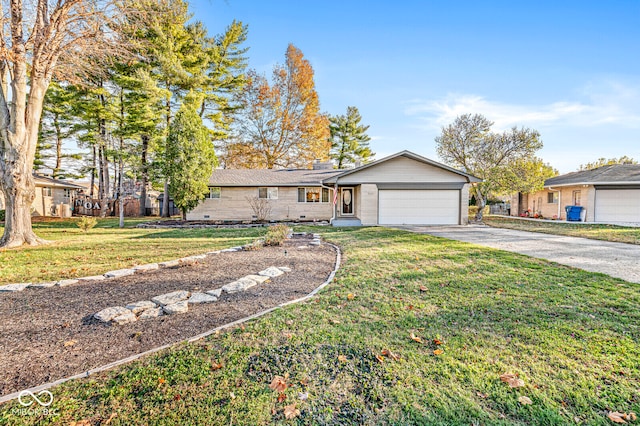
(73, 253)
(620, 234)
(456, 316)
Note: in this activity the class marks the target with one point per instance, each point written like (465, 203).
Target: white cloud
(602, 103)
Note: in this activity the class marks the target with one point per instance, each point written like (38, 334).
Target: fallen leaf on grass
(278, 384)
(350, 296)
(380, 358)
(342, 358)
(334, 321)
(216, 366)
(438, 351)
(281, 397)
(161, 381)
(617, 417)
(415, 338)
(290, 411)
(525, 400)
(437, 342)
(388, 353)
(423, 288)
(84, 422)
(482, 395)
(111, 417)
(512, 380)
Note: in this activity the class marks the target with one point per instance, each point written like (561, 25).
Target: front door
(346, 202)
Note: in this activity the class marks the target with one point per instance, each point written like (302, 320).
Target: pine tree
(349, 140)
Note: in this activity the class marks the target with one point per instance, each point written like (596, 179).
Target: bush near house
(2, 213)
(276, 235)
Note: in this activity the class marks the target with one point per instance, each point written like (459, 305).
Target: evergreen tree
(349, 140)
(192, 156)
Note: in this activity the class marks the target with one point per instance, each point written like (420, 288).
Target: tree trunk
(165, 199)
(481, 202)
(145, 175)
(19, 192)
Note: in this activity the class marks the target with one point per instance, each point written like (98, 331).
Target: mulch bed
(36, 323)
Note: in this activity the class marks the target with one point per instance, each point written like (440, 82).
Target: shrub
(276, 235)
(1, 215)
(256, 245)
(87, 222)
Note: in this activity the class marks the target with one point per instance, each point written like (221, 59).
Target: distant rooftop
(613, 174)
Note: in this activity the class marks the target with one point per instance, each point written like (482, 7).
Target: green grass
(621, 234)
(73, 253)
(572, 336)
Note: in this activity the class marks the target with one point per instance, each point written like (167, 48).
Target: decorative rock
(284, 268)
(14, 287)
(171, 298)
(151, 313)
(316, 236)
(258, 278)
(147, 267)
(199, 256)
(42, 285)
(302, 247)
(271, 272)
(108, 314)
(119, 273)
(64, 283)
(229, 250)
(125, 318)
(240, 285)
(197, 298)
(138, 307)
(176, 308)
(315, 243)
(213, 252)
(215, 293)
(169, 264)
(93, 278)
(187, 261)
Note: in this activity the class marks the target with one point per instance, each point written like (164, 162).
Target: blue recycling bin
(573, 213)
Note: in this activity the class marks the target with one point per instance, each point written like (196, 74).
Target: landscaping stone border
(201, 336)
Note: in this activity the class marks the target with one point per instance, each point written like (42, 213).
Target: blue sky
(569, 69)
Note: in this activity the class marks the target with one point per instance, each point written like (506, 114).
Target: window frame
(47, 191)
(270, 192)
(210, 194)
(322, 192)
(552, 198)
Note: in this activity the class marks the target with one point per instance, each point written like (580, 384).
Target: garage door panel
(617, 205)
(419, 207)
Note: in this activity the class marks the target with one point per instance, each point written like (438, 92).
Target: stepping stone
(64, 283)
(271, 272)
(119, 273)
(43, 285)
(197, 298)
(108, 314)
(315, 243)
(138, 307)
(125, 318)
(302, 247)
(284, 268)
(215, 293)
(14, 287)
(187, 261)
(169, 264)
(171, 298)
(93, 278)
(229, 250)
(258, 278)
(240, 285)
(151, 313)
(176, 308)
(316, 236)
(213, 252)
(147, 267)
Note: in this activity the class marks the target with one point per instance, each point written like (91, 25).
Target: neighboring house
(607, 194)
(54, 197)
(404, 188)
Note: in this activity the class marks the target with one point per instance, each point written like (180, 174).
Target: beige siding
(368, 202)
(401, 169)
(233, 205)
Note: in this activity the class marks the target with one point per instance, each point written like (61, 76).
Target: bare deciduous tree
(261, 208)
(37, 40)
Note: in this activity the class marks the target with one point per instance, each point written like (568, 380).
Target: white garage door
(418, 207)
(617, 205)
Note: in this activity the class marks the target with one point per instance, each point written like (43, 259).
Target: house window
(46, 192)
(268, 193)
(313, 195)
(577, 198)
(68, 192)
(552, 198)
(214, 192)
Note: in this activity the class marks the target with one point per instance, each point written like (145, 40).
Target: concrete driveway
(615, 259)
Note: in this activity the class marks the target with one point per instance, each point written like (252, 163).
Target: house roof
(270, 177)
(406, 154)
(618, 174)
(54, 183)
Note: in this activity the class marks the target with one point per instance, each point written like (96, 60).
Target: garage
(617, 205)
(418, 207)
